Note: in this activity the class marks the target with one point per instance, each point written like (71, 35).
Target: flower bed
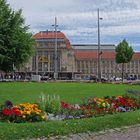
(21, 113)
(91, 107)
(98, 107)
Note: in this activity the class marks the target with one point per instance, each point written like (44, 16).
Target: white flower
(77, 106)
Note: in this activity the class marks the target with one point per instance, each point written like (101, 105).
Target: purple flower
(121, 109)
(8, 104)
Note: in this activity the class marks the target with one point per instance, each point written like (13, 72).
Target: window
(34, 63)
(39, 66)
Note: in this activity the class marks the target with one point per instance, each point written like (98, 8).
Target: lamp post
(13, 75)
(55, 52)
(99, 49)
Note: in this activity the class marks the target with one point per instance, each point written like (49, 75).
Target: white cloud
(121, 30)
(78, 18)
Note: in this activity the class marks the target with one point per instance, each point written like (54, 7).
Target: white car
(118, 79)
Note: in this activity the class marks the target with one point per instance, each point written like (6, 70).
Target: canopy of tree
(16, 43)
(124, 54)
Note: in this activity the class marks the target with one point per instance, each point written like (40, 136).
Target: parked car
(118, 79)
(44, 78)
(131, 78)
(102, 80)
(64, 78)
(90, 78)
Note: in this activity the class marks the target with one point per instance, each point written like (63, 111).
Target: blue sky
(78, 19)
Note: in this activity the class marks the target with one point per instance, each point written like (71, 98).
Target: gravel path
(125, 133)
(132, 133)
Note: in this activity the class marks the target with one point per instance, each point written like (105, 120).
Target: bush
(50, 103)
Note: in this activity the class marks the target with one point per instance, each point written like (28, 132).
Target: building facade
(43, 60)
(77, 61)
(87, 65)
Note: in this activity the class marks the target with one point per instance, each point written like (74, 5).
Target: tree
(16, 43)
(124, 54)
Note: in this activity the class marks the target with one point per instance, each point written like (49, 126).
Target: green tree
(124, 54)
(16, 43)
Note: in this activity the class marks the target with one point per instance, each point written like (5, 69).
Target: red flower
(16, 111)
(64, 105)
(8, 112)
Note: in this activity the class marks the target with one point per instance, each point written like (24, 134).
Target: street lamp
(14, 69)
(55, 52)
(99, 49)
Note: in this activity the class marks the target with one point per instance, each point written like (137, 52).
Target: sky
(77, 19)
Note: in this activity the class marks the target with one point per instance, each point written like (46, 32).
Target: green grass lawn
(69, 92)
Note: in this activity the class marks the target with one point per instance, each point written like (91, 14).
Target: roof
(51, 35)
(93, 46)
(48, 35)
(136, 55)
(104, 55)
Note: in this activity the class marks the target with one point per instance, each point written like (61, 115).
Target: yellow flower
(103, 104)
(28, 112)
(43, 117)
(119, 96)
(37, 113)
(100, 100)
(22, 112)
(23, 116)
